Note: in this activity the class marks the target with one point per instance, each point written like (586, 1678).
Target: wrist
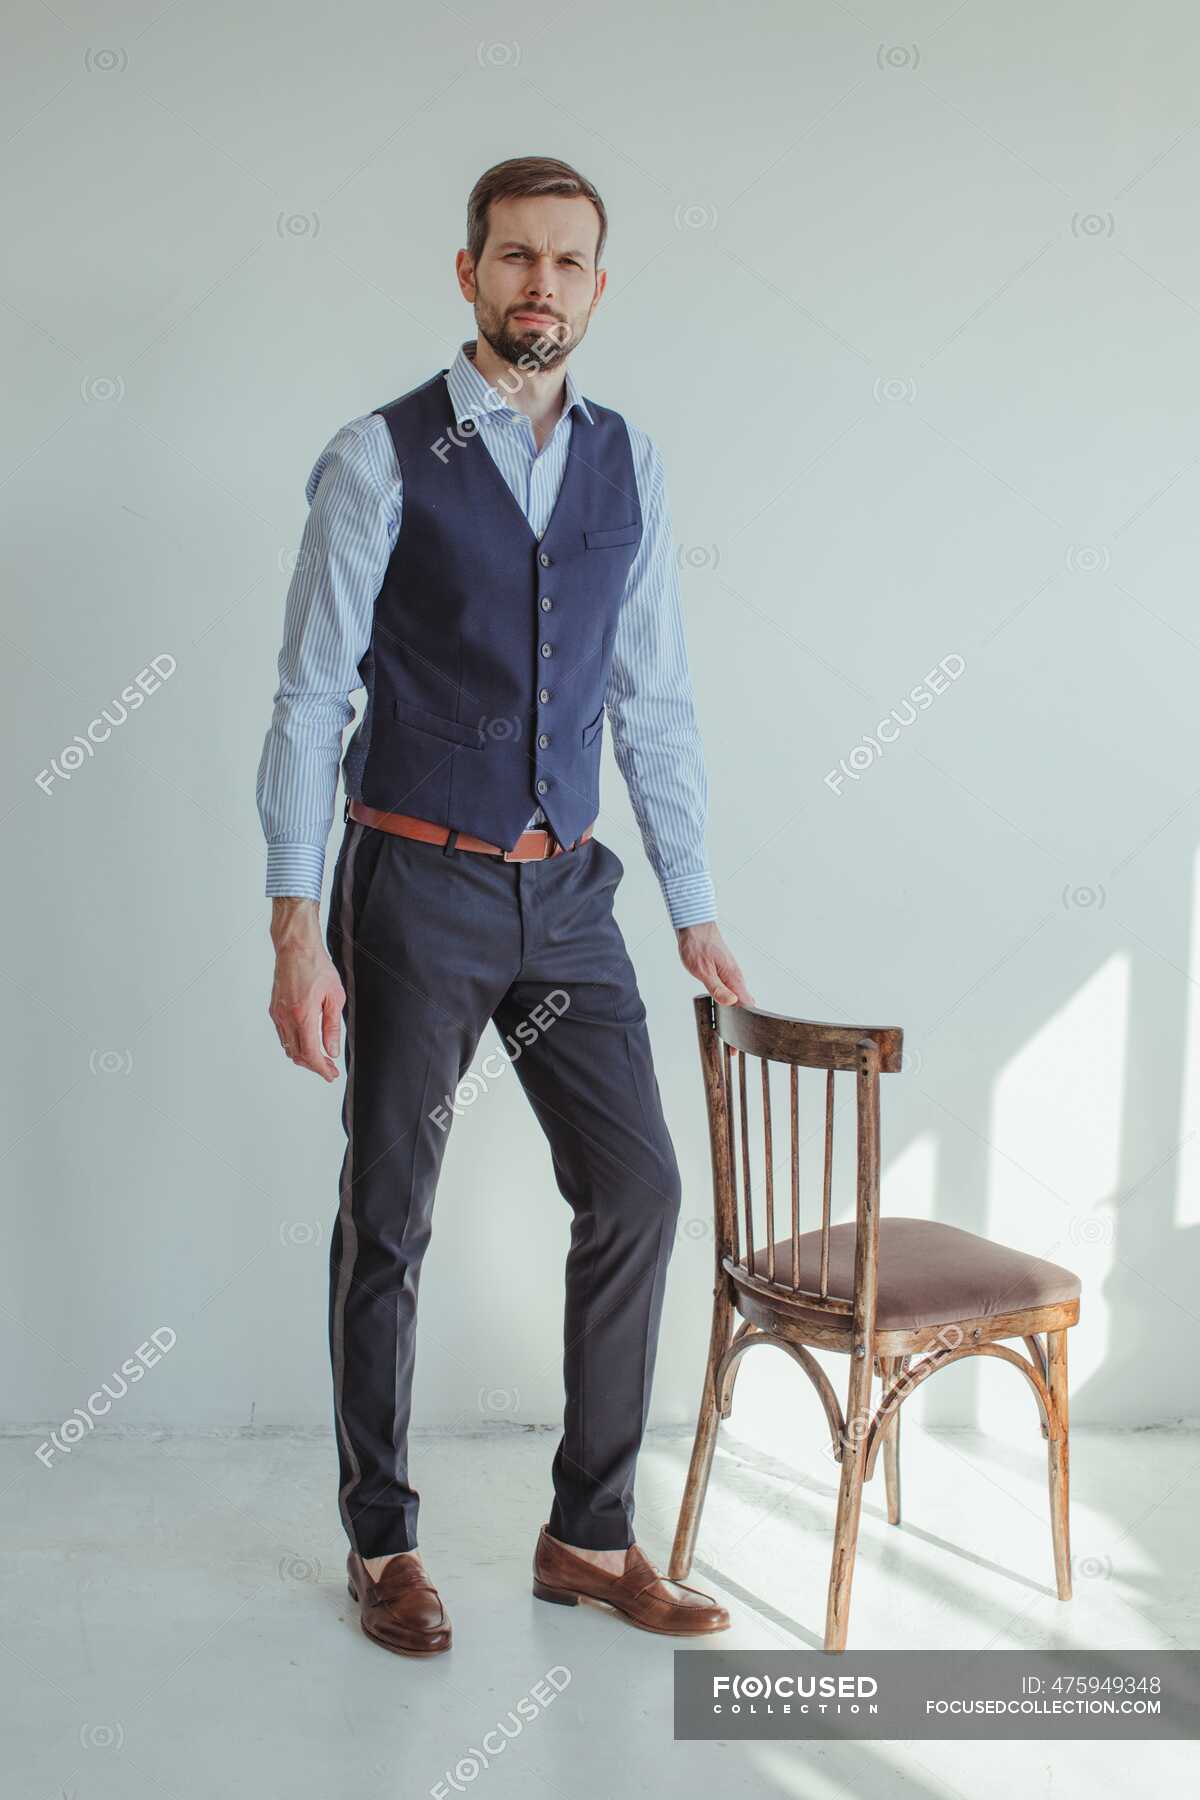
(295, 921)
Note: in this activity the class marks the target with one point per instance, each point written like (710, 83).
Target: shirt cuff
(295, 869)
(691, 899)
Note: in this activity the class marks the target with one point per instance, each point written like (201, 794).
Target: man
(489, 556)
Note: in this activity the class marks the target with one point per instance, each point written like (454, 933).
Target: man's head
(535, 236)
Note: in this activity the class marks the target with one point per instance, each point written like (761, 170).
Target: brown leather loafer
(643, 1595)
(401, 1609)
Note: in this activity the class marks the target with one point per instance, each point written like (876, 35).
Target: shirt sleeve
(354, 502)
(651, 708)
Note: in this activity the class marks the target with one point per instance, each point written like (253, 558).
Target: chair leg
(849, 1505)
(889, 1369)
(696, 1486)
(1059, 1460)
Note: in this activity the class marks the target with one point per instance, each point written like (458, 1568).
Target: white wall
(910, 297)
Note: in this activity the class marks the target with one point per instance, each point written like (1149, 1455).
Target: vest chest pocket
(615, 534)
(465, 735)
(589, 731)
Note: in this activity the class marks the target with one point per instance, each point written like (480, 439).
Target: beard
(549, 343)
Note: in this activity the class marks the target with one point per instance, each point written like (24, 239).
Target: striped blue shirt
(355, 499)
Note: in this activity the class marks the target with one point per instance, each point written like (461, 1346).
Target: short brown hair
(522, 175)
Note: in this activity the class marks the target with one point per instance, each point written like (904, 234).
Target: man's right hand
(308, 997)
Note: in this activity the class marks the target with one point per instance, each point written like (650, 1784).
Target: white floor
(174, 1619)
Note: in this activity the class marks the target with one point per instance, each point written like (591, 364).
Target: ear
(464, 268)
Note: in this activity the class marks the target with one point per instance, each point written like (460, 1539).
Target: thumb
(331, 1027)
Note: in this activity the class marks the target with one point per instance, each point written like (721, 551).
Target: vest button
(542, 786)
(543, 695)
(544, 560)
(546, 603)
(544, 741)
(546, 650)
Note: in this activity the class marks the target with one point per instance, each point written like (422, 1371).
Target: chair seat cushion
(929, 1273)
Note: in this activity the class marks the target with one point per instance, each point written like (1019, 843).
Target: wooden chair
(878, 1290)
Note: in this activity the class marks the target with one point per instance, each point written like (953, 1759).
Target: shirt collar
(472, 395)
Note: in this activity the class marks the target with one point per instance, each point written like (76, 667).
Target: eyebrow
(516, 244)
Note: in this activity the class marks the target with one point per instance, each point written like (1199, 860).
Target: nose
(541, 280)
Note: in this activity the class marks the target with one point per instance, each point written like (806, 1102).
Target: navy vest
(491, 648)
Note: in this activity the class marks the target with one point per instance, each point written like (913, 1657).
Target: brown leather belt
(531, 846)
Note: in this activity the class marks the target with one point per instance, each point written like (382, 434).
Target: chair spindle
(827, 1190)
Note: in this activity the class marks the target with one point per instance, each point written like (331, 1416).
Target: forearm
(664, 773)
(297, 789)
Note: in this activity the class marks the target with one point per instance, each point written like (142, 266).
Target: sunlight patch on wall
(1056, 1108)
(1056, 1124)
(1187, 1191)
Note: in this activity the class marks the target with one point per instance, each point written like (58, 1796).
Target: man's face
(536, 284)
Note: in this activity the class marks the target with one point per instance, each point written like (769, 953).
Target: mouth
(529, 318)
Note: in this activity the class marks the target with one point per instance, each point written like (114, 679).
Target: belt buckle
(512, 857)
(539, 856)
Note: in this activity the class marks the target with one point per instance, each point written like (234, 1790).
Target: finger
(737, 981)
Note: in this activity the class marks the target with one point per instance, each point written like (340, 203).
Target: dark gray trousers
(429, 946)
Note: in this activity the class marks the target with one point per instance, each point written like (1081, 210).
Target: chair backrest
(729, 1036)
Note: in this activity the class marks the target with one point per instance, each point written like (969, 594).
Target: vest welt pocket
(589, 731)
(436, 726)
(615, 534)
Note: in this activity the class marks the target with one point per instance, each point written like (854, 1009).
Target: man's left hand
(706, 955)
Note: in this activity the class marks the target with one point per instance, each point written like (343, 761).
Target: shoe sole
(569, 1597)
(396, 1649)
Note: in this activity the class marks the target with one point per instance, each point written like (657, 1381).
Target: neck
(541, 394)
